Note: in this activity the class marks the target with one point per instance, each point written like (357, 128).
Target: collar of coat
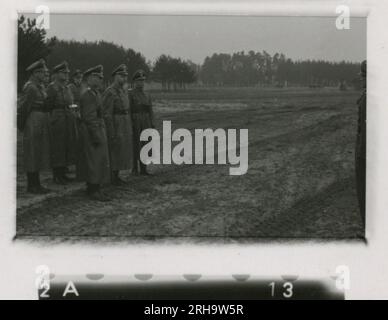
(33, 81)
(94, 91)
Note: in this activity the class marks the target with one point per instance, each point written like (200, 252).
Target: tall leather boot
(116, 180)
(38, 184)
(135, 170)
(90, 188)
(34, 183)
(58, 176)
(30, 182)
(64, 171)
(95, 193)
(143, 169)
(135, 158)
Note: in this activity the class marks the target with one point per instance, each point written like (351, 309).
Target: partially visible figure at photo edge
(360, 152)
(33, 122)
(142, 118)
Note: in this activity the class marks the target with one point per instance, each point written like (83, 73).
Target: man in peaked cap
(142, 117)
(139, 75)
(76, 86)
(47, 78)
(95, 167)
(118, 123)
(32, 120)
(62, 124)
(360, 153)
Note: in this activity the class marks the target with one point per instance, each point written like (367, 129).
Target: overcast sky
(195, 37)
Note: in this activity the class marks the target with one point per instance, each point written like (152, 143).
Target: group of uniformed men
(82, 124)
(65, 124)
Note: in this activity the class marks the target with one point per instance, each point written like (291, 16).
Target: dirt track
(300, 181)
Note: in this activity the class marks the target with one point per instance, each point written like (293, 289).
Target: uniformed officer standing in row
(33, 121)
(95, 170)
(142, 118)
(62, 124)
(118, 123)
(361, 145)
(46, 78)
(76, 86)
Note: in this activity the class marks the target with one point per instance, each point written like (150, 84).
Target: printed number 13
(288, 289)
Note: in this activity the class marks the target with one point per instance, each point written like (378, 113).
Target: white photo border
(368, 263)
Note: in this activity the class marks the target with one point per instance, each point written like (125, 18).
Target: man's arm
(50, 99)
(25, 106)
(151, 111)
(89, 116)
(107, 113)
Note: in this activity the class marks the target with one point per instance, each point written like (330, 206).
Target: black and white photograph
(194, 157)
(190, 127)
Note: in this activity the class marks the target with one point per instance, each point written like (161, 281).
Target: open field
(300, 182)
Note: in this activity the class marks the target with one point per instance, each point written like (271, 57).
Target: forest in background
(252, 68)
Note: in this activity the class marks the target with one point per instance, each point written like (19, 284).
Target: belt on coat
(121, 112)
(142, 112)
(39, 109)
(99, 121)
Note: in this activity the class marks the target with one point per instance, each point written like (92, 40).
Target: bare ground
(300, 182)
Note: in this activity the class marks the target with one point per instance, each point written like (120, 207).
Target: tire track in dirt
(330, 125)
(287, 159)
(303, 176)
(314, 214)
(175, 171)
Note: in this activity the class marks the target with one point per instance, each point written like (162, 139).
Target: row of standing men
(82, 124)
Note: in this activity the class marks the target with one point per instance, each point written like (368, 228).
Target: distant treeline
(256, 68)
(237, 69)
(172, 73)
(84, 55)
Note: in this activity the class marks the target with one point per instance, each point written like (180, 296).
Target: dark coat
(76, 92)
(94, 162)
(63, 126)
(361, 128)
(142, 116)
(360, 154)
(117, 116)
(36, 146)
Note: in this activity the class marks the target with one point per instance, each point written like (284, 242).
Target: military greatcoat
(142, 116)
(76, 92)
(63, 127)
(36, 146)
(95, 167)
(117, 116)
